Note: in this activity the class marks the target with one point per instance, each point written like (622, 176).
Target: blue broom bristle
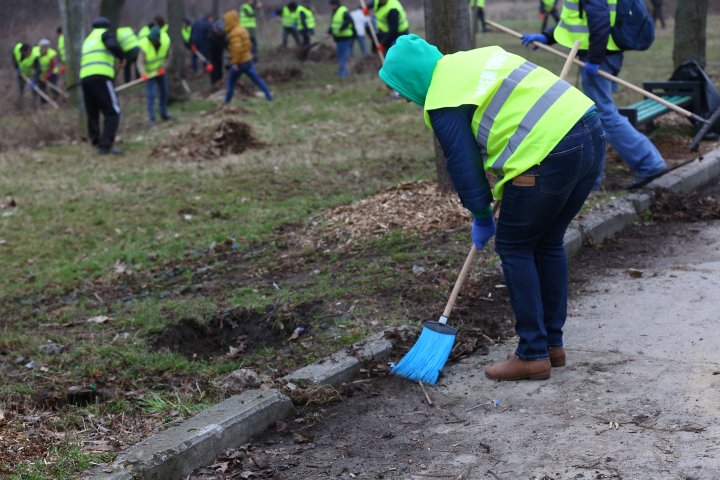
(426, 358)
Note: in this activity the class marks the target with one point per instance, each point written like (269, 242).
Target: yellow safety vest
(143, 32)
(247, 16)
(61, 47)
(186, 32)
(127, 39)
(288, 18)
(155, 58)
(309, 16)
(337, 21)
(381, 14)
(96, 59)
(572, 27)
(25, 64)
(523, 110)
(548, 5)
(45, 59)
(477, 3)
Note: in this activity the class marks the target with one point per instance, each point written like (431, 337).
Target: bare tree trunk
(447, 26)
(690, 32)
(73, 16)
(216, 9)
(175, 16)
(111, 9)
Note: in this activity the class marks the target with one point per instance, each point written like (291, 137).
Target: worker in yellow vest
(145, 30)
(97, 73)
(479, 5)
(130, 44)
(186, 32)
(288, 20)
(342, 29)
(248, 20)
(152, 62)
(391, 22)
(548, 8)
(49, 63)
(494, 111)
(306, 22)
(61, 49)
(26, 63)
(590, 22)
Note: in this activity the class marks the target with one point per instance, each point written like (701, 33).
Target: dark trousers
(552, 13)
(657, 13)
(481, 17)
(290, 31)
(306, 35)
(99, 95)
(130, 67)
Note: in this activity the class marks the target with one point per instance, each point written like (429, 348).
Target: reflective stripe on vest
(96, 59)
(247, 16)
(155, 58)
(523, 111)
(45, 59)
(127, 39)
(337, 21)
(574, 27)
(288, 18)
(61, 47)
(381, 14)
(309, 17)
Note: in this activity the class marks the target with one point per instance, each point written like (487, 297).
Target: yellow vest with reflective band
(165, 28)
(154, 59)
(25, 64)
(127, 39)
(96, 59)
(247, 16)
(45, 59)
(523, 111)
(186, 32)
(288, 18)
(548, 5)
(572, 27)
(309, 17)
(381, 14)
(477, 3)
(143, 32)
(61, 47)
(336, 23)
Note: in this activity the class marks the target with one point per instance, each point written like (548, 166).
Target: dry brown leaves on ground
(684, 207)
(226, 137)
(413, 207)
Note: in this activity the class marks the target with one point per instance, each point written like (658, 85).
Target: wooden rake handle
(373, 34)
(37, 90)
(458, 283)
(622, 82)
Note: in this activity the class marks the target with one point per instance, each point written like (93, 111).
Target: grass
(150, 241)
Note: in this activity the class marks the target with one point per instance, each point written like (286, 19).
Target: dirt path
(638, 399)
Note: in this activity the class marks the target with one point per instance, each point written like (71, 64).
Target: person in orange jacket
(240, 47)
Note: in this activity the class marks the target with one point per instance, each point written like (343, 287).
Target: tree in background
(112, 10)
(447, 25)
(175, 16)
(690, 32)
(74, 25)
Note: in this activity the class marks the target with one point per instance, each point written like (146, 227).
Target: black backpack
(634, 27)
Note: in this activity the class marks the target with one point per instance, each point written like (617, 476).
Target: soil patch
(685, 207)
(226, 137)
(322, 54)
(367, 64)
(238, 331)
(281, 75)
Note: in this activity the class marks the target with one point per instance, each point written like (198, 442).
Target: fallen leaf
(281, 426)
(98, 319)
(296, 333)
(298, 438)
(634, 272)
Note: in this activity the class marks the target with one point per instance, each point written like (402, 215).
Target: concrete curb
(178, 451)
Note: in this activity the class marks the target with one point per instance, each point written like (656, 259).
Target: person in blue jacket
(643, 158)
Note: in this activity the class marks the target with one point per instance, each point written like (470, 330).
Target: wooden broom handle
(458, 283)
(604, 74)
(569, 59)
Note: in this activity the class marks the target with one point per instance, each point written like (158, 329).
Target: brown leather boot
(517, 369)
(557, 356)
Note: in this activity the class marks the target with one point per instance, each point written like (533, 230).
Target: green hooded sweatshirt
(409, 67)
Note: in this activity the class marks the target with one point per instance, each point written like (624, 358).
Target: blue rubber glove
(528, 38)
(483, 230)
(592, 68)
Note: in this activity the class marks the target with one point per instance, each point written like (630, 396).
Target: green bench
(681, 93)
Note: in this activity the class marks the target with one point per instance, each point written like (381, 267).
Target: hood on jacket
(409, 67)
(232, 20)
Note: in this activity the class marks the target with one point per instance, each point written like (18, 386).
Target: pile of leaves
(413, 207)
(206, 143)
(686, 207)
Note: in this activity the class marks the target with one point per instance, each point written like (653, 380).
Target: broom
(428, 356)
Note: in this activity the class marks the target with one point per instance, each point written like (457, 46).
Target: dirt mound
(238, 331)
(205, 143)
(685, 207)
(368, 64)
(414, 207)
(322, 54)
(281, 75)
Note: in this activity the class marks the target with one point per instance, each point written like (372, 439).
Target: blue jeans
(344, 51)
(236, 71)
(635, 148)
(162, 86)
(530, 231)
(361, 41)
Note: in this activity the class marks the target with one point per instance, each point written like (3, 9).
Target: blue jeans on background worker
(360, 39)
(161, 84)
(248, 68)
(344, 51)
(633, 147)
(530, 231)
